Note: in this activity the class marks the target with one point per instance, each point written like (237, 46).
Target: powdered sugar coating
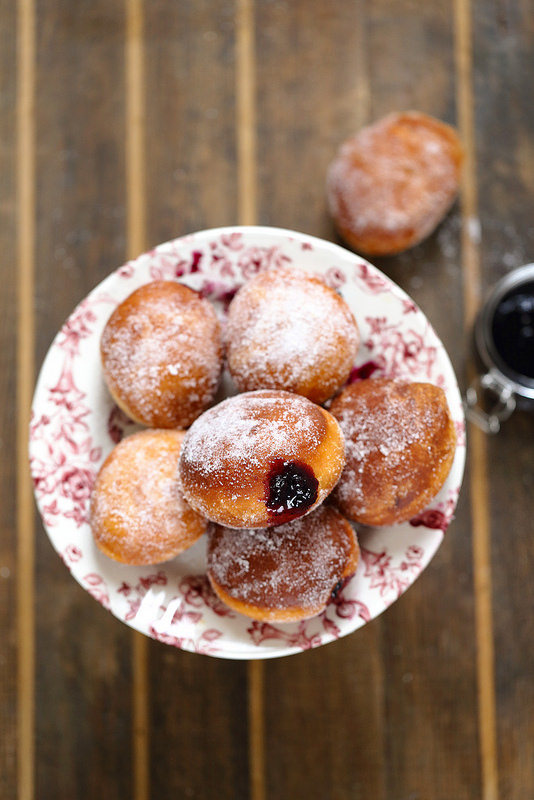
(138, 513)
(229, 450)
(392, 183)
(162, 354)
(400, 442)
(282, 573)
(250, 430)
(288, 330)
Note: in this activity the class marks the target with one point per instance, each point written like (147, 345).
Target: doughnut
(287, 329)
(400, 442)
(391, 184)
(260, 459)
(161, 352)
(286, 573)
(137, 513)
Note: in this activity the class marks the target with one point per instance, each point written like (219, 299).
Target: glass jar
(504, 341)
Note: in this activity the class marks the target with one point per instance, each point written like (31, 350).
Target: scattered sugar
(474, 229)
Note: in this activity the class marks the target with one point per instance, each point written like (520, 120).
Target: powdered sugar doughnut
(288, 330)
(286, 573)
(138, 514)
(400, 443)
(391, 184)
(161, 354)
(260, 459)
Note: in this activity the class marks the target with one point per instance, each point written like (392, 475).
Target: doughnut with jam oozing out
(138, 514)
(392, 183)
(288, 330)
(260, 458)
(161, 354)
(400, 443)
(286, 573)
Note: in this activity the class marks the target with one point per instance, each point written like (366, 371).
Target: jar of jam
(504, 340)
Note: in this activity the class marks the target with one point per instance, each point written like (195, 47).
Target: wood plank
(477, 472)
(308, 93)
(83, 679)
(410, 675)
(203, 114)
(247, 214)
(311, 81)
(326, 734)
(191, 146)
(25, 372)
(503, 47)
(136, 243)
(198, 712)
(431, 681)
(8, 388)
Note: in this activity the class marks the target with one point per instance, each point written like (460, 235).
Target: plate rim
(247, 650)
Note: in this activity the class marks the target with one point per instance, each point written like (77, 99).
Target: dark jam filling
(513, 329)
(292, 489)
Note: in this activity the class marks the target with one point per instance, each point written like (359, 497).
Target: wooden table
(125, 124)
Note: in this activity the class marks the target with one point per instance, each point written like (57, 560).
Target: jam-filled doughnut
(161, 353)
(392, 183)
(287, 329)
(138, 514)
(400, 442)
(286, 573)
(260, 458)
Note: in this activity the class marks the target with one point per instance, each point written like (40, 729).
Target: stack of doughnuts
(253, 471)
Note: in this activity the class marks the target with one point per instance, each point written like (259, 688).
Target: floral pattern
(75, 424)
(388, 578)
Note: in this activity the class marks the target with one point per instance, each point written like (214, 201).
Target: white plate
(74, 426)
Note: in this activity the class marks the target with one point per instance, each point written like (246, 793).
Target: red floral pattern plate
(74, 425)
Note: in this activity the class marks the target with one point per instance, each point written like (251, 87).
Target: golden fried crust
(161, 352)
(400, 443)
(288, 330)
(286, 573)
(138, 514)
(393, 182)
(234, 452)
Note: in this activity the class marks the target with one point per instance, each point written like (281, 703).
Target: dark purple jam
(292, 489)
(513, 329)
(362, 372)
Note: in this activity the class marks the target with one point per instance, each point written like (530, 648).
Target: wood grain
(83, 661)
(25, 377)
(136, 244)
(481, 534)
(191, 117)
(413, 687)
(199, 706)
(502, 49)
(246, 134)
(13, 728)
(126, 123)
(300, 124)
